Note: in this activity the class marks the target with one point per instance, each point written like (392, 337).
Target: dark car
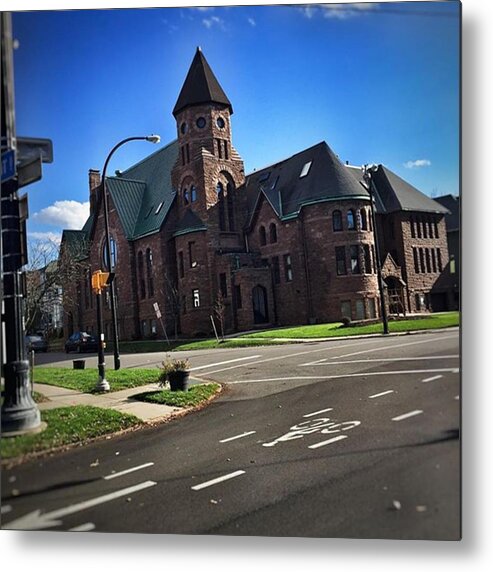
(81, 342)
(36, 343)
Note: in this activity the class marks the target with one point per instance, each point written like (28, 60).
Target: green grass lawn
(67, 425)
(432, 321)
(195, 395)
(84, 380)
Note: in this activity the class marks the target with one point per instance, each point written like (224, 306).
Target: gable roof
(326, 179)
(200, 86)
(452, 203)
(392, 193)
(143, 194)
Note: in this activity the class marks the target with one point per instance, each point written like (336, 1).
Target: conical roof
(201, 86)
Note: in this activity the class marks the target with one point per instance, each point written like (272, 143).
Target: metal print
(231, 270)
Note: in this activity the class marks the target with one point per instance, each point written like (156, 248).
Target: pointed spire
(200, 86)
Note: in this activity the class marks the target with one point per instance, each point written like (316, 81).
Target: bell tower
(208, 170)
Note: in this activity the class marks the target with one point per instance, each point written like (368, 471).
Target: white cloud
(417, 164)
(64, 214)
(50, 237)
(213, 21)
(252, 22)
(338, 11)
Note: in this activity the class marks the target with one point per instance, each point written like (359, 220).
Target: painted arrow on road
(36, 520)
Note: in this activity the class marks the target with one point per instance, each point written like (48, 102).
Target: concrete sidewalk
(119, 400)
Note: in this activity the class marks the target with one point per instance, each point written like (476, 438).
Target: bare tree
(220, 311)
(50, 279)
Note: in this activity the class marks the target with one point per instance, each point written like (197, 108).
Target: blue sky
(377, 82)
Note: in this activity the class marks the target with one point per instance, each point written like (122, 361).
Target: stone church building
(293, 243)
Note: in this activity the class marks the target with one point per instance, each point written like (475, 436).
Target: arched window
(140, 272)
(220, 203)
(262, 235)
(186, 196)
(150, 280)
(193, 193)
(337, 221)
(364, 221)
(351, 221)
(230, 203)
(273, 232)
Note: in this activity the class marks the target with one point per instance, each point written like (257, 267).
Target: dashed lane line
(237, 436)
(328, 442)
(86, 527)
(223, 362)
(407, 415)
(217, 480)
(317, 412)
(433, 378)
(380, 394)
(126, 471)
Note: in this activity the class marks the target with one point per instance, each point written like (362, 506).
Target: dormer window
(306, 169)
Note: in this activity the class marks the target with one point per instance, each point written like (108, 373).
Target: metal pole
(19, 412)
(381, 288)
(114, 321)
(102, 384)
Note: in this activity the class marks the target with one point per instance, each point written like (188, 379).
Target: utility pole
(99, 281)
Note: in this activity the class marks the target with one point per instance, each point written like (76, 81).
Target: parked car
(81, 342)
(36, 343)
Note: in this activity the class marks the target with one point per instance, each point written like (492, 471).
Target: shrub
(346, 322)
(170, 365)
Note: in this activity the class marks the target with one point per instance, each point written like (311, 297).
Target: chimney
(94, 184)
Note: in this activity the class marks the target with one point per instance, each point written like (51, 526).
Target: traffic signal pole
(98, 282)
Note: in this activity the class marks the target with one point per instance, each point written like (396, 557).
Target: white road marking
(5, 509)
(36, 521)
(87, 527)
(406, 415)
(325, 349)
(360, 374)
(323, 443)
(317, 412)
(223, 362)
(435, 377)
(126, 471)
(380, 394)
(218, 480)
(325, 362)
(237, 436)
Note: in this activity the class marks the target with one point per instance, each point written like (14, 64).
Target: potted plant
(176, 372)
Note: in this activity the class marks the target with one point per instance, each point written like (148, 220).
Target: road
(349, 438)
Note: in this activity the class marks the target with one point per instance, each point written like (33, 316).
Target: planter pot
(178, 380)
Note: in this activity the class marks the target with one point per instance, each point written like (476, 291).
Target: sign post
(159, 317)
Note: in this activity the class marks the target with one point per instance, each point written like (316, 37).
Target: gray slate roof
(452, 203)
(327, 180)
(200, 86)
(143, 194)
(190, 222)
(395, 194)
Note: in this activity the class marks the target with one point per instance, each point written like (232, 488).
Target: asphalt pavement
(347, 438)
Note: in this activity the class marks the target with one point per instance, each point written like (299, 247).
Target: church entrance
(259, 303)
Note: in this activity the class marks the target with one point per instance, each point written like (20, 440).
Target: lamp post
(368, 171)
(109, 262)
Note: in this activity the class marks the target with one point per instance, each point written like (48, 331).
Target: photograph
(231, 270)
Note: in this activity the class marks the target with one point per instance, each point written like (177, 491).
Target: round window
(183, 128)
(201, 122)
(220, 122)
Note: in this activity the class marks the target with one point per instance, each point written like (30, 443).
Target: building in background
(292, 243)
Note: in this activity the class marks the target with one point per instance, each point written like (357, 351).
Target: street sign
(157, 310)
(29, 172)
(29, 147)
(8, 165)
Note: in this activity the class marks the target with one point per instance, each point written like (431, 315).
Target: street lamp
(368, 171)
(116, 348)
